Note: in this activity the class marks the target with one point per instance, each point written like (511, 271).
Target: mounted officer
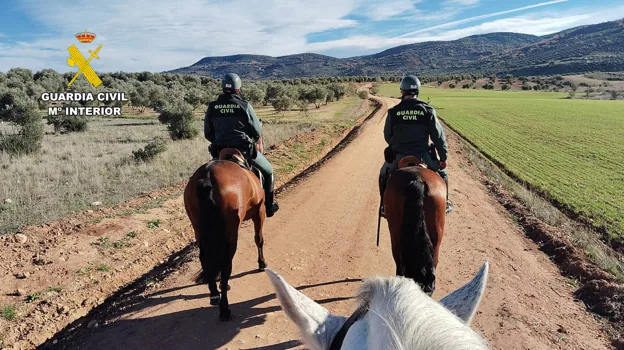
(231, 122)
(409, 125)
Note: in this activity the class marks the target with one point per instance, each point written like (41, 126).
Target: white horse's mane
(400, 316)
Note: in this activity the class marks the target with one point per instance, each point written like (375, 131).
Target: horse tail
(416, 247)
(211, 231)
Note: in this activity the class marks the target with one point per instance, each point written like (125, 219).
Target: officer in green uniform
(409, 125)
(231, 122)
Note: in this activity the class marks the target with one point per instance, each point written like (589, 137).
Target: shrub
(17, 108)
(363, 94)
(151, 150)
(614, 94)
(283, 103)
(317, 95)
(66, 124)
(253, 94)
(375, 89)
(452, 86)
(179, 119)
(330, 96)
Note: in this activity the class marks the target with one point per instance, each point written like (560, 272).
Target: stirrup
(449, 206)
(271, 211)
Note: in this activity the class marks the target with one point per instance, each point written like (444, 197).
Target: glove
(443, 165)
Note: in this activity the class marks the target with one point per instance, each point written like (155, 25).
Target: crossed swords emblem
(77, 59)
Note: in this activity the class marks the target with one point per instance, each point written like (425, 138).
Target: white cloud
(485, 16)
(536, 24)
(379, 10)
(463, 2)
(142, 35)
(177, 33)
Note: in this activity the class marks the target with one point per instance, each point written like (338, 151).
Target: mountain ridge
(574, 50)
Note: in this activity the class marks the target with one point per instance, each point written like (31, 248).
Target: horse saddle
(411, 161)
(234, 155)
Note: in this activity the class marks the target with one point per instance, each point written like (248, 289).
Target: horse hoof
(225, 317)
(262, 266)
(215, 300)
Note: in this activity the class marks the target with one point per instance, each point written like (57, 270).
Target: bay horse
(393, 313)
(415, 208)
(219, 196)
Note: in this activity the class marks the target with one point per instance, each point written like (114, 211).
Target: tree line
(173, 96)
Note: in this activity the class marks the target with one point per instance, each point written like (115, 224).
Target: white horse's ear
(464, 301)
(316, 324)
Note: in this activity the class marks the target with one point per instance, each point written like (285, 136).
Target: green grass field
(572, 151)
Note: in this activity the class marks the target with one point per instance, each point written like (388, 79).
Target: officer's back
(228, 114)
(408, 126)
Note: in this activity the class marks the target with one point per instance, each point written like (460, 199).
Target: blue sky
(158, 35)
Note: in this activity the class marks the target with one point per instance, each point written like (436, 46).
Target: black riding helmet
(411, 85)
(231, 82)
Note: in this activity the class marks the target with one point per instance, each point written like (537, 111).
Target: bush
(66, 124)
(330, 96)
(317, 95)
(179, 119)
(283, 103)
(506, 87)
(17, 108)
(363, 94)
(375, 89)
(452, 86)
(338, 90)
(253, 94)
(614, 94)
(526, 87)
(151, 150)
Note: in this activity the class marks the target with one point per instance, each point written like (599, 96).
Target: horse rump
(416, 247)
(211, 227)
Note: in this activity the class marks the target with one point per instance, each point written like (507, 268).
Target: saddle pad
(411, 161)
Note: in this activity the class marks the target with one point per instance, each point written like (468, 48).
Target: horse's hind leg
(210, 268)
(226, 269)
(258, 221)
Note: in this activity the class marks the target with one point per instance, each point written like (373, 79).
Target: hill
(597, 47)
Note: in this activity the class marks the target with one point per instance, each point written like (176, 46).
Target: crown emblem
(85, 37)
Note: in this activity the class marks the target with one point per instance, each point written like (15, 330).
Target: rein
(336, 344)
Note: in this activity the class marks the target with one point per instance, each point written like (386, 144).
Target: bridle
(336, 344)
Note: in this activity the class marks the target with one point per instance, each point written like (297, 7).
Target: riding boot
(382, 189)
(271, 206)
(449, 204)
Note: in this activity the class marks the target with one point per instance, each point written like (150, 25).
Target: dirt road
(323, 241)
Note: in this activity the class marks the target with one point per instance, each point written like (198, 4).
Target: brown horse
(219, 196)
(415, 203)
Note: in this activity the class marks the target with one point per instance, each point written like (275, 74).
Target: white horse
(393, 313)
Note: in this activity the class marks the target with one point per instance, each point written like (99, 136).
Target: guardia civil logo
(76, 59)
(62, 100)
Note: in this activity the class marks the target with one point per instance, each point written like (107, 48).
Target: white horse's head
(397, 314)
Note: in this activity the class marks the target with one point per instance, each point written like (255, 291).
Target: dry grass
(75, 170)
